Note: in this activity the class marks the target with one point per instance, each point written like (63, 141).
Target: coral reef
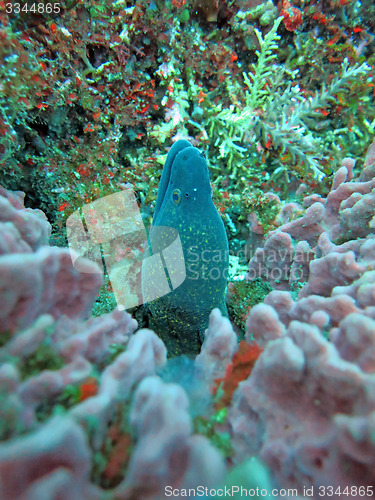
(81, 407)
(298, 392)
(319, 249)
(267, 86)
(279, 98)
(307, 408)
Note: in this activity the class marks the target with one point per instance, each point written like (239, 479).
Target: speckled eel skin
(184, 202)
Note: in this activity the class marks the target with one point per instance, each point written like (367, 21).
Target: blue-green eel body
(184, 202)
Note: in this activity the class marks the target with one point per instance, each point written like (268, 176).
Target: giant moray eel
(184, 202)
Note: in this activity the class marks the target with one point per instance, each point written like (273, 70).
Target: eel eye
(176, 196)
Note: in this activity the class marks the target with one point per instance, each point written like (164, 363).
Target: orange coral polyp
(240, 369)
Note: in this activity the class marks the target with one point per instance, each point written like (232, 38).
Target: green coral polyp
(43, 358)
(244, 295)
(207, 426)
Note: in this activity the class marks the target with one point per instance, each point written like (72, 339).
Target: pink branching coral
(308, 406)
(167, 454)
(324, 245)
(218, 348)
(80, 420)
(62, 391)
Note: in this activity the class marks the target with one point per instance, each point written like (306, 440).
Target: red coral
(243, 362)
(88, 388)
(292, 16)
(178, 3)
(63, 207)
(119, 457)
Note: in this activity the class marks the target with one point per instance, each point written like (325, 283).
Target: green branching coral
(257, 95)
(293, 131)
(276, 114)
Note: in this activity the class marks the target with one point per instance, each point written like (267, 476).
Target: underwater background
(259, 383)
